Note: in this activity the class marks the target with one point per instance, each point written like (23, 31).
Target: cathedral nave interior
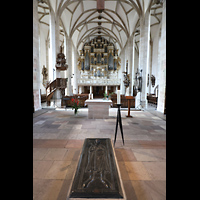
(99, 71)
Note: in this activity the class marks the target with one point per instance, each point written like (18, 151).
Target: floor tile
(123, 171)
(55, 154)
(58, 170)
(158, 137)
(40, 168)
(39, 153)
(157, 189)
(149, 154)
(141, 191)
(40, 122)
(58, 137)
(137, 171)
(153, 144)
(129, 190)
(137, 137)
(124, 155)
(66, 126)
(74, 144)
(156, 170)
(89, 126)
(49, 143)
(49, 136)
(44, 189)
(72, 154)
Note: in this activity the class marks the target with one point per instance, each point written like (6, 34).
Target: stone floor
(58, 136)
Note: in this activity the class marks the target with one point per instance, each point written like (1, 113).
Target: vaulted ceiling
(82, 21)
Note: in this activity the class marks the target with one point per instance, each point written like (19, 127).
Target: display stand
(129, 105)
(119, 120)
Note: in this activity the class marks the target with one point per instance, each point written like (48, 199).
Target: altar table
(98, 108)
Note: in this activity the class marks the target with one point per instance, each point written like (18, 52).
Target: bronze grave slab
(97, 174)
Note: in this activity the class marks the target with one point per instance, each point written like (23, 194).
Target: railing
(99, 81)
(51, 87)
(57, 83)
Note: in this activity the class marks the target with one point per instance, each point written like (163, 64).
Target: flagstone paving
(58, 137)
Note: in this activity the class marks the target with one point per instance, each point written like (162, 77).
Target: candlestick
(118, 97)
(119, 120)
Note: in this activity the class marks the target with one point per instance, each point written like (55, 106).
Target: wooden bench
(124, 101)
(152, 99)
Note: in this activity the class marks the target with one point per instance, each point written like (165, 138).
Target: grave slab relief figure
(97, 165)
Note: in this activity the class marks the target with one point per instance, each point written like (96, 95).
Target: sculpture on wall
(153, 80)
(45, 75)
(61, 61)
(126, 79)
(138, 80)
(126, 76)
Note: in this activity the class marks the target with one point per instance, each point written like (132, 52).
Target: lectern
(129, 105)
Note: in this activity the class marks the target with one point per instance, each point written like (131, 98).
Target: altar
(98, 108)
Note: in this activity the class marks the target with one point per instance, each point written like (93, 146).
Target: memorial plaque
(96, 174)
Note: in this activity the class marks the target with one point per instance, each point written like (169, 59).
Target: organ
(99, 60)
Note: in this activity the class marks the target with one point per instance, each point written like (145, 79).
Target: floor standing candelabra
(119, 120)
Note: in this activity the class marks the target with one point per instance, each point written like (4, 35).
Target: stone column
(80, 89)
(75, 85)
(133, 66)
(106, 89)
(150, 66)
(69, 71)
(116, 88)
(131, 51)
(36, 67)
(90, 89)
(123, 64)
(65, 52)
(52, 50)
(91, 94)
(155, 56)
(144, 54)
(47, 56)
(162, 71)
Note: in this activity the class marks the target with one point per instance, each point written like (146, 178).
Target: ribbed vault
(82, 22)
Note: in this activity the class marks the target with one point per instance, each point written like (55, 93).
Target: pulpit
(129, 98)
